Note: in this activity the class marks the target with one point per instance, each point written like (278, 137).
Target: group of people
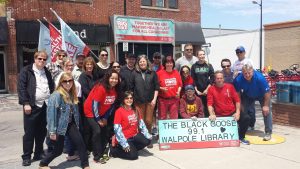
(99, 107)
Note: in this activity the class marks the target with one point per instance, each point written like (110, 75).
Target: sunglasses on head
(42, 59)
(67, 81)
(225, 66)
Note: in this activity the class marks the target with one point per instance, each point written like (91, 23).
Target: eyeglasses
(188, 49)
(68, 81)
(104, 55)
(225, 66)
(42, 59)
(116, 66)
(129, 98)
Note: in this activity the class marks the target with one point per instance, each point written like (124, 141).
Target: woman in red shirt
(97, 109)
(170, 86)
(131, 132)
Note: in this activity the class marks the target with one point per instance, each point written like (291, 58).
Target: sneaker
(267, 137)
(250, 128)
(45, 167)
(72, 158)
(38, 157)
(101, 161)
(26, 162)
(154, 131)
(244, 141)
(105, 157)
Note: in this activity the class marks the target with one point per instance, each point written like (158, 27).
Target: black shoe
(26, 162)
(38, 157)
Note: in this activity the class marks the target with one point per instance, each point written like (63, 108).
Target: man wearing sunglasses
(188, 59)
(242, 60)
(35, 85)
(226, 70)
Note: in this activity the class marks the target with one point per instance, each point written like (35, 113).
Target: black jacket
(143, 90)
(27, 85)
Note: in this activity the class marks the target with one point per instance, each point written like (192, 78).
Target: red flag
(56, 41)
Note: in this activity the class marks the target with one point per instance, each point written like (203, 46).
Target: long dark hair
(105, 80)
(124, 96)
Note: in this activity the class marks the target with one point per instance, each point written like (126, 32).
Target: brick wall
(99, 11)
(12, 57)
(282, 45)
(286, 114)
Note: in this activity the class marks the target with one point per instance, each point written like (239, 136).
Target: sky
(243, 14)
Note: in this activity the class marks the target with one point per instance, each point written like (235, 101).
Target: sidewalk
(279, 156)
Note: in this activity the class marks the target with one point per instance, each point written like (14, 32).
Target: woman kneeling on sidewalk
(130, 129)
(63, 119)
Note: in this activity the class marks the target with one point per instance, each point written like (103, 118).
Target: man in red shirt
(223, 100)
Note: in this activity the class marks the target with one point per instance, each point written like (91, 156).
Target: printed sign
(133, 29)
(200, 133)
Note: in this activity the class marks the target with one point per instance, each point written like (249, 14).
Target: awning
(3, 31)
(28, 32)
(186, 32)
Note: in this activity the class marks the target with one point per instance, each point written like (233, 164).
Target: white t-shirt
(238, 65)
(184, 61)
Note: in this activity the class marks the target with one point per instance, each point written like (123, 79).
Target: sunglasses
(129, 98)
(157, 57)
(62, 55)
(42, 59)
(225, 66)
(116, 66)
(238, 52)
(68, 81)
(104, 55)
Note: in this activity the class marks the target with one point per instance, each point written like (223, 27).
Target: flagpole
(91, 52)
(51, 24)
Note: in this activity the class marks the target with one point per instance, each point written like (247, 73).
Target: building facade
(91, 20)
(282, 45)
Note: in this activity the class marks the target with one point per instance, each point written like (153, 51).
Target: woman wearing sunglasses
(130, 130)
(62, 120)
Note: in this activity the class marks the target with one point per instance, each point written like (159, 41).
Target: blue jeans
(248, 104)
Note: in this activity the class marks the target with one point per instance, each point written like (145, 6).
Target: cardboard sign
(200, 133)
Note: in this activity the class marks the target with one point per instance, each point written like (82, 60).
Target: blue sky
(243, 14)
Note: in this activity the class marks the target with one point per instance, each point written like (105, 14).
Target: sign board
(200, 133)
(138, 29)
(125, 46)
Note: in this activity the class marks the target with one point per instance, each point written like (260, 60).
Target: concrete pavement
(280, 156)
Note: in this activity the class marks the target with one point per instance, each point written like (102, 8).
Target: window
(173, 4)
(147, 2)
(160, 3)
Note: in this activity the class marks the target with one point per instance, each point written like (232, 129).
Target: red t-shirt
(222, 99)
(103, 97)
(171, 80)
(128, 120)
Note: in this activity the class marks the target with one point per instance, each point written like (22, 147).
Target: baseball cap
(189, 87)
(240, 49)
(79, 55)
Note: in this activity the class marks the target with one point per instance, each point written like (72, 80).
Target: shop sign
(131, 29)
(200, 133)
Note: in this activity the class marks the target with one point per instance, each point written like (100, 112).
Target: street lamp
(260, 34)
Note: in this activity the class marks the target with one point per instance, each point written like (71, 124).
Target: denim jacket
(58, 114)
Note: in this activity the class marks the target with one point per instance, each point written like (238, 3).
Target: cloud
(245, 7)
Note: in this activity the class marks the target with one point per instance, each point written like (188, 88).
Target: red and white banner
(56, 41)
